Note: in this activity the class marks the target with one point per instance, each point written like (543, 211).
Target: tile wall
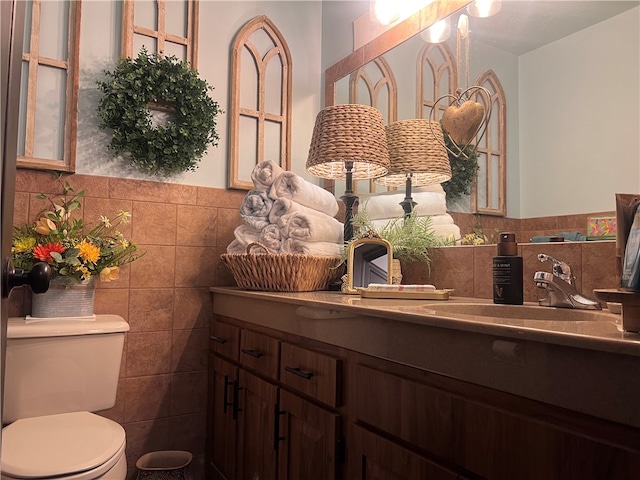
(162, 392)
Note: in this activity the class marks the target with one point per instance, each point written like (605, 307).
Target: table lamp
(417, 155)
(349, 143)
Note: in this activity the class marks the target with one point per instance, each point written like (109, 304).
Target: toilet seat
(74, 445)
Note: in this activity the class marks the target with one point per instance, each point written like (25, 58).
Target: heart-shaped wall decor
(463, 122)
(464, 119)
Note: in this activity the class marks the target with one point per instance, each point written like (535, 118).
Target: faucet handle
(559, 269)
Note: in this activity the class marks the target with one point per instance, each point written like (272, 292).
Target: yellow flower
(85, 274)
(24, 244)
(44, 226)
(88, 252)
(125, 216)
(109, 273)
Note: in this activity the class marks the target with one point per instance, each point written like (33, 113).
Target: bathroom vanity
(321, 385)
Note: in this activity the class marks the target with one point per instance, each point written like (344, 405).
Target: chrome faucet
(560, 287)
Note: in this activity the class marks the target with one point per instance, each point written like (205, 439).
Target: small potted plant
(411, 238)
(75, 252)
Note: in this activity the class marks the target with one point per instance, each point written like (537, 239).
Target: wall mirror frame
(369, 260)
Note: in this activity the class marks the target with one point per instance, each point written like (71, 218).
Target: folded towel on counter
(271, 237)
(284, 208)
(255, 209)
(294, 187)
(312, 226)
(387, 204)
(291, 245)
(245, 234)
(264, 173)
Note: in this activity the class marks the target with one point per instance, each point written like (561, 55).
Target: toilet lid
(59, 444)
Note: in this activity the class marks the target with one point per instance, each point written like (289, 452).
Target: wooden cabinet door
(309, 437)
(372, 457)
(222, 428)
(256, 428)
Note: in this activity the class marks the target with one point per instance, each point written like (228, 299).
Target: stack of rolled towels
(431, 201)
(288, 214)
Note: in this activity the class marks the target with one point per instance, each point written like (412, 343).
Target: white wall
(580, 167)
(300, 22)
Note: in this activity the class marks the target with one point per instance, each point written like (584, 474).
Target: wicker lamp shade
(416, 147)
(344, 134)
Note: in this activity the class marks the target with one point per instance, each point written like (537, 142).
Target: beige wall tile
(148, 353)
(453, 268)
(94, 207)
(147, 398)
(155, 269)
(197, 226)
(139, 190)
(217, 197)
(187, 430)
(195, 266)
(192, 308)
(599, 266)
(190, 349)
(189, 392)
(228, 220)
(483, 271)
(154, 223)
(144, 437)
(112, 301)
(151, 309)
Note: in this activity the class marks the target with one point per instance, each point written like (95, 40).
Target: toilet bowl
(56, 374)
(79, 446)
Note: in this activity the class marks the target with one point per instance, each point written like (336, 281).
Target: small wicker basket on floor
(281, 272)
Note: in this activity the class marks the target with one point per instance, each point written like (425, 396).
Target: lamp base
(408, 204)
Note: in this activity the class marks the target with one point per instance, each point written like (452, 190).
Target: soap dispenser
(508, 285)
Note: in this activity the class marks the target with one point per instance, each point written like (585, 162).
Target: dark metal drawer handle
(219, 340)
(253, 353)
(299, 373)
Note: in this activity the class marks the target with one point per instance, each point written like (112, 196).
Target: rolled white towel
(387, 204)
(445, 219)
(292, 186)
(264, 173)
(244, 235)
(312, 226)
(284, 208)
(442, 226)
(291, 245)
(271, 237)
(255, 209)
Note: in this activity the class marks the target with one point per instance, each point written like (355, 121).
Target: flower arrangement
(68, 246)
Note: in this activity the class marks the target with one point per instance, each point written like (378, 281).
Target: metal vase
(65, 298)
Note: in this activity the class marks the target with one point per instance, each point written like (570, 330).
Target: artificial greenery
(411, 237)
(166, 149)
(464, 168)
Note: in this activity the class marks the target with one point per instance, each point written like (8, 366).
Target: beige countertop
(589, 366)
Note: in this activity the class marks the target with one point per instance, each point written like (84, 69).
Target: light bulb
(484, 8)
(385, 12)
(438, 32)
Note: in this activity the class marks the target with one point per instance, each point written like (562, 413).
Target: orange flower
(109, 273)
(43, 252)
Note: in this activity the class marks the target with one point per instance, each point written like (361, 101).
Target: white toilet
(56, 373)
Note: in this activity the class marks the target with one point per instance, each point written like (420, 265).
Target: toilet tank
(61, 366)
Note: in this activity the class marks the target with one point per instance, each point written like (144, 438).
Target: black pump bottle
(507, 272)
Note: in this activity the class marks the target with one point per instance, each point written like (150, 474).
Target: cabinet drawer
(311, 373)
(260, 353)
(225, 340)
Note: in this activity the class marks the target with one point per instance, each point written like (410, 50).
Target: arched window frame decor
(482, 199)
(243, 43)
(439, 68)
(35, 62)
(373, 88)
(160, 34)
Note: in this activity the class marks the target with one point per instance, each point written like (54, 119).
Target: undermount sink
(520, 312)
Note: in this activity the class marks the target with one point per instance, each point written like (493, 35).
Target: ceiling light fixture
(484, 8)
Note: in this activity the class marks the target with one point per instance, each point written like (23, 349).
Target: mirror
(369, 260)
(570, 71)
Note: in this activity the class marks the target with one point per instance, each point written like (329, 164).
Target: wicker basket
(281, 272)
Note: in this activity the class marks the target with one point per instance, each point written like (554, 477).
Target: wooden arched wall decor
(436, 76)
(376, 86)
(159, 39)
(57, 72)
(489, 193)
(260, 126)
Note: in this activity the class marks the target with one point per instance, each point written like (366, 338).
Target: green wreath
(171, 84)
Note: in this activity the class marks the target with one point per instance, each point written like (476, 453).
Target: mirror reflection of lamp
(348, 143)
(417, 155)
(484, 8)
(438, 32)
